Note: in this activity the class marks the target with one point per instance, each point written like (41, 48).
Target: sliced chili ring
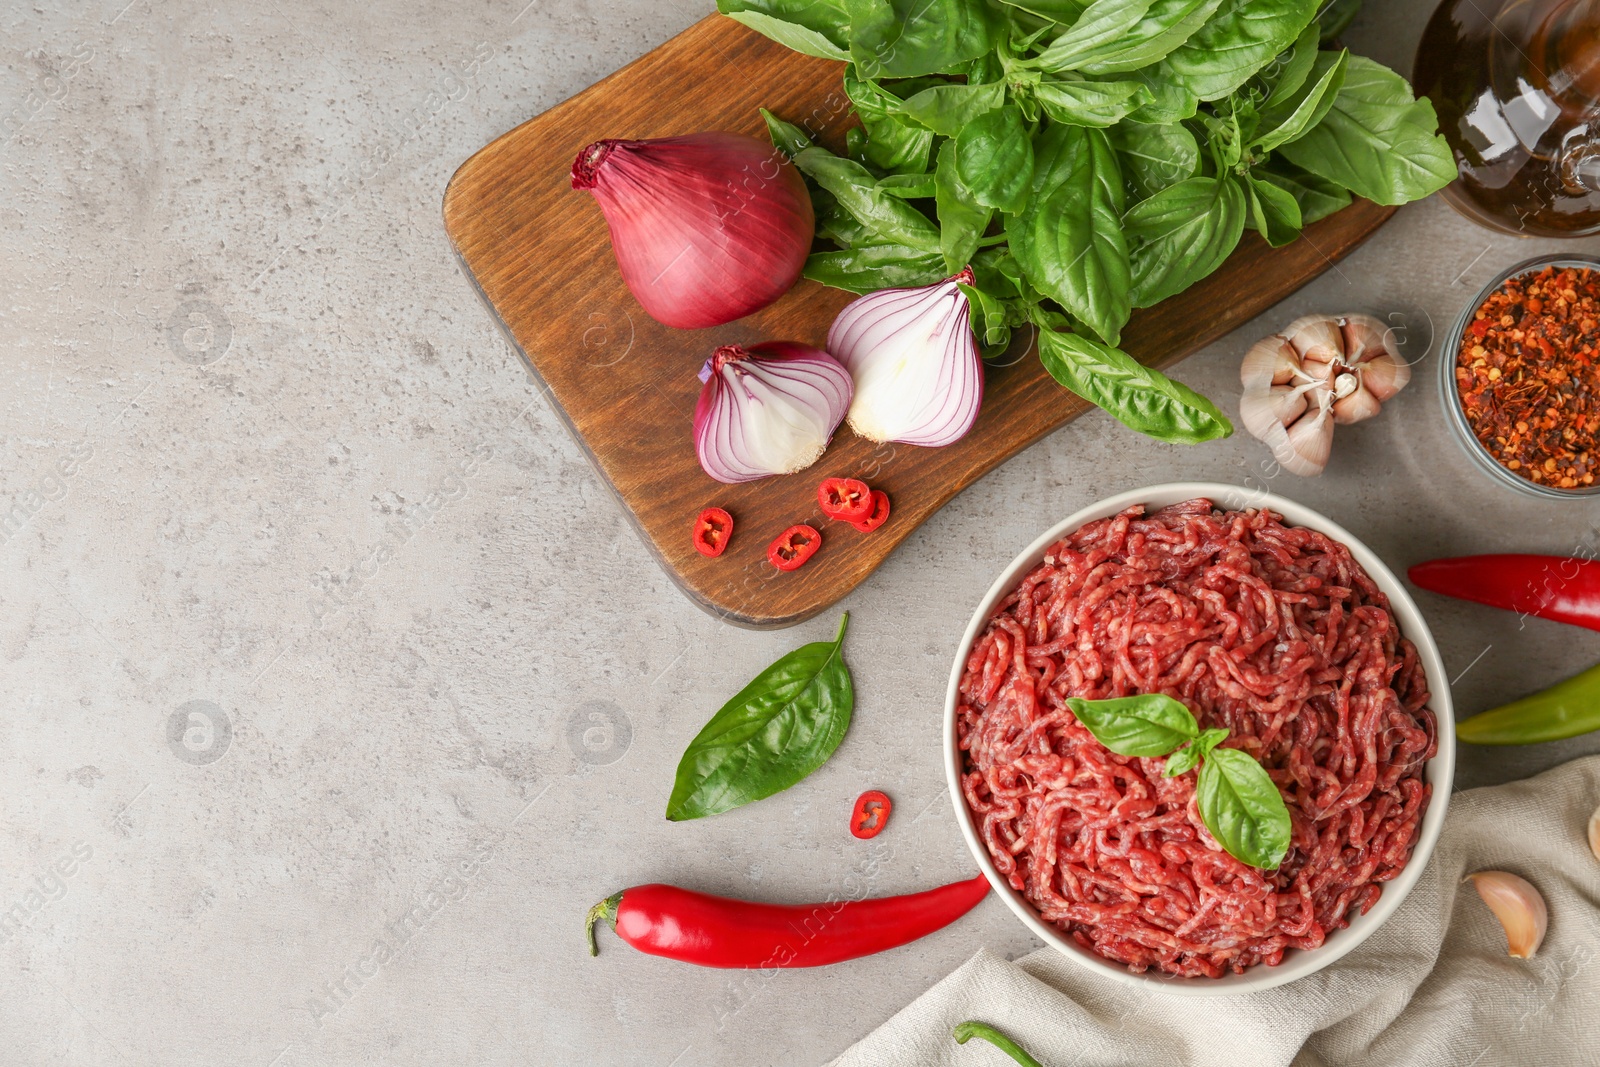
(711, 532)
(879, 515)
(870, 815)
(845, 499)
(793, 547)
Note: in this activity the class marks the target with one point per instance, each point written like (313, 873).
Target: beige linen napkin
(1433, 985)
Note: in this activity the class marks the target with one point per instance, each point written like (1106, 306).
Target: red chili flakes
(1527, 378)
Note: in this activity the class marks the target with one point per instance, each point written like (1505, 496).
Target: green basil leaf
(1241, 38)
(1377, 141)
(1306, 108)
(815, 27)
(1225, 138)
(1137, 396)
(1274, 212)
(1155, 157)
(837, 224)
(868, 268)
(1068, 236)
(1182, 234)
(1189, 756)
(1062, 11)
(787, 138)
(892, 219)
(1104, 22)
(775, 731)
(948, 108)
(994, 157)
(1318, 197)
(1165, 102)
(1150, 724)
(908, 38)
(908, 186)
(1168, 24)
(893, 144)
(1243, 809)
(1089, 103)
(962, 219)
(1289, 70)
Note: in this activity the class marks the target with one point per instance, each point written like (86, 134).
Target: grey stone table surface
(336, 686)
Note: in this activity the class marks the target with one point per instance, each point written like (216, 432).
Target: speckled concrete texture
(336, 686)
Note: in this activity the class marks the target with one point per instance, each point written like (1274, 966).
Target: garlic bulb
(1317, 371)
(1518, 906)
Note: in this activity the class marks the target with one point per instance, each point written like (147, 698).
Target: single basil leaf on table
(1317, 196)
(1103, 23)
(868, 268)
(1377, 140)
(1274, 212)
(994, 157)
(947, 109)
(1241, 38)
(1241, 806)
(1182, 234)
(775, 731)
(1289, 70)
(893, 145)
(1068, 237)
(1164, 27)
(909, 38)
(1149, 724)
(1189, 756)
(1089, 103)
(1155, 157)
(962, 219)
(1137, 396)
(856, 190)
(815, 27)
(1306, 108)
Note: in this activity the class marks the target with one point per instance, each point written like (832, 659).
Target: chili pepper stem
(607, 910)
(1000, 1041)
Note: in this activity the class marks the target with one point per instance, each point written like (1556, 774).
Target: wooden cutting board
(626, 386)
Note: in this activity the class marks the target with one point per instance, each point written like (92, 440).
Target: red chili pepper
(793, 547)
(1479, 328)
(879, 514)
(697, 928)
(1552, 587)
(870, 815)
(845, 499)
(711, 532)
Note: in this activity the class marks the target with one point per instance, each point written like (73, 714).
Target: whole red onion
(706, 228)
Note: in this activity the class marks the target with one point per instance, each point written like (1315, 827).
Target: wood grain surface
(539, 253)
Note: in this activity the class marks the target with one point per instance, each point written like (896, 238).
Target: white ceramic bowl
(1440, 769)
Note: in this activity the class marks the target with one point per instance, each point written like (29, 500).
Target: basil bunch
(1237, 799)
(1089, 157)
(775, 731)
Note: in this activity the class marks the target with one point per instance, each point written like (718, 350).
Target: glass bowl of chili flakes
(1521, 377)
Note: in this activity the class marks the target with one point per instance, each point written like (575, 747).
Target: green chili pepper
(1566, 709)
(997, 1039)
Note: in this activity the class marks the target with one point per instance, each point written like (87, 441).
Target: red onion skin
(707, 228)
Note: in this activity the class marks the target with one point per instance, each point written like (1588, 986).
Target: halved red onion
(767, 409)
(707, 228)
(919, 379)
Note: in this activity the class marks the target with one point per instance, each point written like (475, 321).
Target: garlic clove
(1385, 375)
(1594, 833)
(1518, 906)
(1364, 338)
(1270, 361)
(1316, 338)
(1355, 402)
(1309, 439)
(1278, 406)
